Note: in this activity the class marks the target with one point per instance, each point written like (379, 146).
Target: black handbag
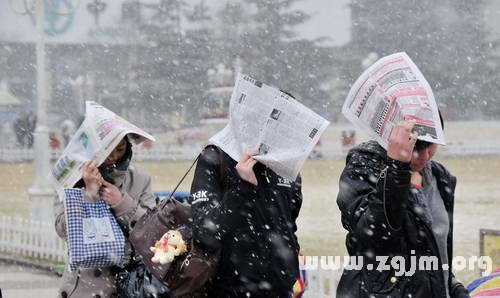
(187, 276)
(136, 281)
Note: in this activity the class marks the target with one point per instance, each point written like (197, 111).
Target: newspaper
(263, 118)
(388, 92)
(95, 139)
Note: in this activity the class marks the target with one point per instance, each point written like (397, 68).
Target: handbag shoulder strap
(183, 177)
(222, 171)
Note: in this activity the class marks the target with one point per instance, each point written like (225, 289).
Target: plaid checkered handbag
(94, 237)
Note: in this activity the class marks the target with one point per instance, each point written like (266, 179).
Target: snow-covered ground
(22, 281)
(320, 230)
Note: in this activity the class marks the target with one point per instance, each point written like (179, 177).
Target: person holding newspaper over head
(396, 202)
(125, 188)
(241, 205)
(242, 209)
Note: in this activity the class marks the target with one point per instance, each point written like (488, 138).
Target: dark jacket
(382, 219)
(254, 226)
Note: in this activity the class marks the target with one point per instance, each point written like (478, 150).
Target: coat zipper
(383, 175)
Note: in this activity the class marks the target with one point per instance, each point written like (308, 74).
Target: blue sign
(59, 15)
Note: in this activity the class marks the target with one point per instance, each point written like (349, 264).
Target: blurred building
(454, 43)
(93, 53)
(133, 56)
(363, 11)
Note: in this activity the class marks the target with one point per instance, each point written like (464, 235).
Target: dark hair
(420, 145)
(121, 164)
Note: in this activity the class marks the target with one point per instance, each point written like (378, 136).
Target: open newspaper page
(265, 119)
(95, 139)
(390, 91)
(249, 108)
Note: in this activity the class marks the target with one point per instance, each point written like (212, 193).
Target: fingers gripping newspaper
(95, 139)
(390, 91)
(263, 118)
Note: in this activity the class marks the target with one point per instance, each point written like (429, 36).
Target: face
(116, 154)
(174, 236)
(421, 157)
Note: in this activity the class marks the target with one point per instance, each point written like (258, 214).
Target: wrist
(124, 205)
(89, 196)
(116, 200)
(395, 164)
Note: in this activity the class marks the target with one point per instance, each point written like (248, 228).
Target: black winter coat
(254, 226)
(383, 220)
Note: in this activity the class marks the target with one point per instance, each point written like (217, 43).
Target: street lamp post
(41, 193)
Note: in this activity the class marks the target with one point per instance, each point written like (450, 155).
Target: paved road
(21, 281)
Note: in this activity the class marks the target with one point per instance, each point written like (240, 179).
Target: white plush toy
(170, 245)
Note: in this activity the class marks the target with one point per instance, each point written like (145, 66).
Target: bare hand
(402, 141)
(92, 177)
(245, 167)
(110, 193)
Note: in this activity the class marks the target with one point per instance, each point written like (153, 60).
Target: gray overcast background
(329, 18)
